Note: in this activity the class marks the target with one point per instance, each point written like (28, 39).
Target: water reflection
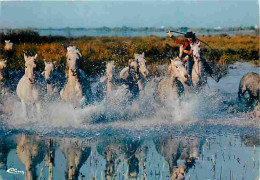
(6, 144)
(76, 153)
(159, 157)
(251, 140)
(30, 150)
(116, 152)
(49, 158)
(179, 148)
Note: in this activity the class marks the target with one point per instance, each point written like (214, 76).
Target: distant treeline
(96, 51)
(146, 29)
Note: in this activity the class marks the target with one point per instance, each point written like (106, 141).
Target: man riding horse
(186, 53)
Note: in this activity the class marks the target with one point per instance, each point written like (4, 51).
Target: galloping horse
(109, 78)
(26, 89)
(201, 68)
(2, 76)
(134, 72)
(198, 77)
(48, 76)
(72, 91)
(173, 86)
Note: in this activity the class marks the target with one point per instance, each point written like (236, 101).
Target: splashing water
(214, 104)
(211, 132)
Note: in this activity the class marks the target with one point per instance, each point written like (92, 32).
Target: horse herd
(134, 75)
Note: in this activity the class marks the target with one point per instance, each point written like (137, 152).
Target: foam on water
(214, 104)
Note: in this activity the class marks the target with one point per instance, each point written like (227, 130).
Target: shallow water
(214, 155)
(73, 32)
(208, 133)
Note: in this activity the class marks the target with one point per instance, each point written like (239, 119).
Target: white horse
(198, 78)
(134, 72)
(48, 76)
(201, 68)
(8, 45)
(172, 86)
(26, 89)
(109, 78)
(2, 76)
(72, 91)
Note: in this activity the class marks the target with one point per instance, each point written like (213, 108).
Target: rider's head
(190, 36)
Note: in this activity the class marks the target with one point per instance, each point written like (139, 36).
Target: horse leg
(62, 94)
(3, 92)
(38, 109)
(24, 110)
(140, 85)
(49, 90)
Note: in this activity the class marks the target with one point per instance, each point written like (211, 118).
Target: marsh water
(76, 32)
(208, 135)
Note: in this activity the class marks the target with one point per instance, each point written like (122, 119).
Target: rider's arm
(187, 52)
(175, 39)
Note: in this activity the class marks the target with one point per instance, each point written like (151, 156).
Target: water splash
(216, 104)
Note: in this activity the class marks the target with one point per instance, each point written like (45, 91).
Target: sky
(144, 13)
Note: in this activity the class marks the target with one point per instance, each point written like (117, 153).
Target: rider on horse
(186, 52)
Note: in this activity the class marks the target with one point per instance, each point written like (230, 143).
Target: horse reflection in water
(116, 153)
(30, 150)
(125, 158)
(75, 155)
(181, 148)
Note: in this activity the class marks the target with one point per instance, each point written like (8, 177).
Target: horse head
(29, 66)
(139, 64)
(178, 70)
(73, 55)
(48, 70)
(196, 51)
(8, 45)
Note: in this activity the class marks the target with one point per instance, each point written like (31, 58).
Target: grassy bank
(96, 51)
